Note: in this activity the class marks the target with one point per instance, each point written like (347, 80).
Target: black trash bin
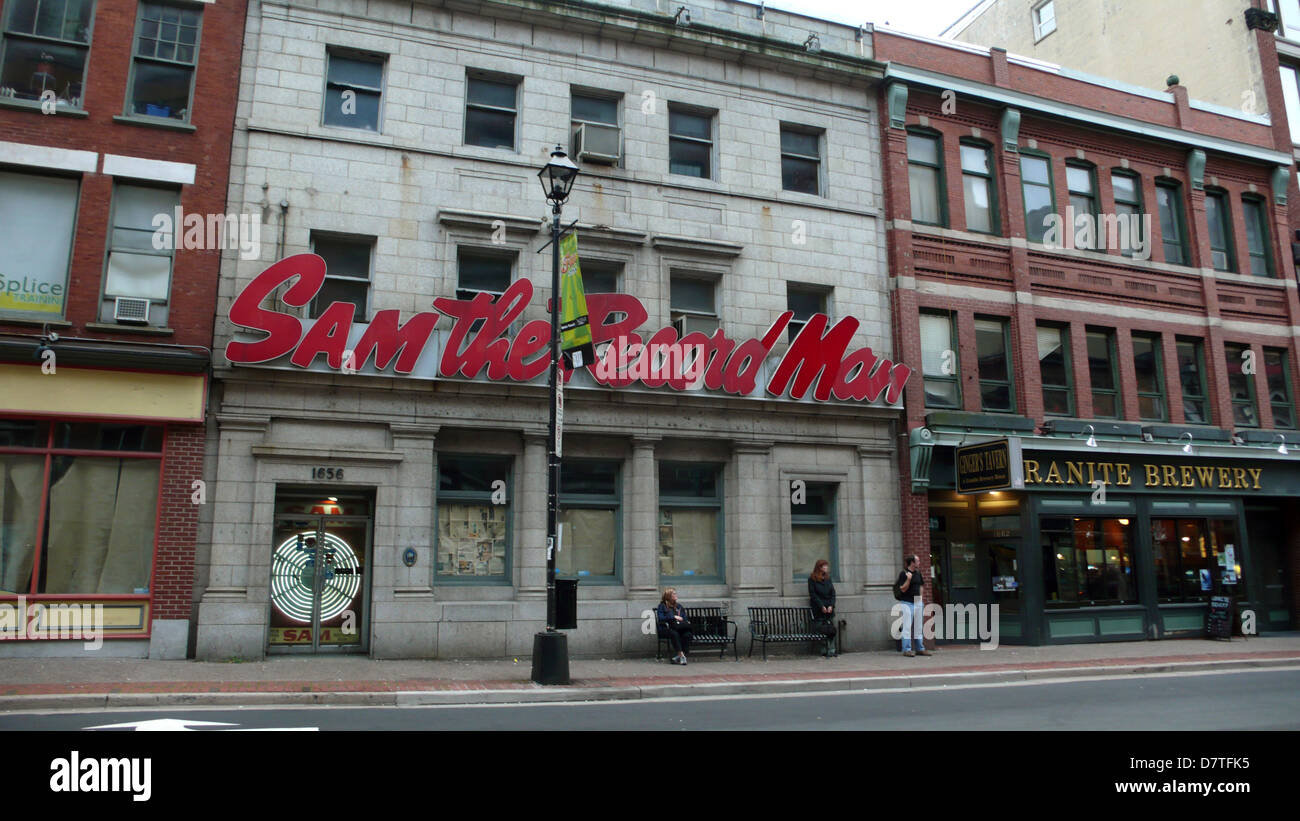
(566, 604)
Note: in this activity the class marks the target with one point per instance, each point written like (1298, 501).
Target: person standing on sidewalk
(672, 623)
(821, 598)
(908, 590)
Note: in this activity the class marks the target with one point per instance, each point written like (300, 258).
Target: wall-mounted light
(812, 44)
(1281, 448)
(1123, 522)
(1092, 437)
(682, 17)
(1187, 448)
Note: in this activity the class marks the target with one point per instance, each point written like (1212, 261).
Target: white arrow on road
(183, 724)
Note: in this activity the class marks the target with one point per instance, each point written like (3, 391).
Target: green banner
(575, 327)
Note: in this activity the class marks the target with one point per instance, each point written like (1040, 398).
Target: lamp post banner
(575, 326)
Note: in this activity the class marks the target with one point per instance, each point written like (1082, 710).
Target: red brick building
(116, 120)
(1144, 381)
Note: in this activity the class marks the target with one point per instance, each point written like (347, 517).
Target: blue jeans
(912, 614)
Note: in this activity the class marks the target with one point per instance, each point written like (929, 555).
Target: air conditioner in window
(131, 309)
(690, 323)
(593, 142)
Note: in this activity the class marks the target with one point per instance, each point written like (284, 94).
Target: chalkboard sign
(1218, 618)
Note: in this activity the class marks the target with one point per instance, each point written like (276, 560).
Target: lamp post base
(550, 658)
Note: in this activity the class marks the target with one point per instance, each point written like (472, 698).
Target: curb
(537, 694)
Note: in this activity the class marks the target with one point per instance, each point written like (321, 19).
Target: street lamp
(551, 648)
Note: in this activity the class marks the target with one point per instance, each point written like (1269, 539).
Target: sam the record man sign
(989, 466)
(818, 360)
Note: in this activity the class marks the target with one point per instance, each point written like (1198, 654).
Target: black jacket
(916, 588)
(821, 594)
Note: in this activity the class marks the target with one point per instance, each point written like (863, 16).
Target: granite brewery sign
(818, 358)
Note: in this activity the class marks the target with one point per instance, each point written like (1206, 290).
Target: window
(1289, 11)
(1036, 183)
(1190, 558)
(992, 342)
(939, 360)
(473, 540)
(1191, 372)
(599, 276)
(812, 526)
(1044, 17)
(692, 304)
(1101, 370)
(490, 110)
(590, 519)
(166, 51)
(1127, 190)
(690, 142)
(925, 178)
(1054, 369)
(1080, 183)
(1220, 225)
(596, 117)
(78, 506)
(1241, 385)
(1169, 200)
(1279, 387)
(1150, 377)
(347, 272)
(978, 189)
(34, 275)
(1088, 561)
(354, 85)
(800, 160)
(44, 49)
(481, 271)
(690, 522)
(1291, 98)
(804, 300)
(136, 268)
(1257, 242)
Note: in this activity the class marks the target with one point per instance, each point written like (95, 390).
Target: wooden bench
(783, 624)
(708, 629)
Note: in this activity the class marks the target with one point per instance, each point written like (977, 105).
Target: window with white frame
(690, 142)
(801, 159)
(138, 271)
(34, 275)
(596, 135)
(804, 301)
(44, 50)
(1044, 16)
(693, 303)
(480, 271)
(491, 108)
(347, 272)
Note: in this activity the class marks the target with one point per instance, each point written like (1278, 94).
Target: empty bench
(783, 624)
(708, 629)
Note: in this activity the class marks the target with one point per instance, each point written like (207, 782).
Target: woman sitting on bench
(672, 619)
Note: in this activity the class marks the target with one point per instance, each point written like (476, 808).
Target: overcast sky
(927, 17)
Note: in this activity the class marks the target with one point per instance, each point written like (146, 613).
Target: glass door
(318, 574)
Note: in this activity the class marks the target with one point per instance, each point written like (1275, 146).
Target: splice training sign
(575, 327)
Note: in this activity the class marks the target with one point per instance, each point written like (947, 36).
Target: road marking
(186, 725)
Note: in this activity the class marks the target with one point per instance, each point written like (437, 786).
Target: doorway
(320, 581)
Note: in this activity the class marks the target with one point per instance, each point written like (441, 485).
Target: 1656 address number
(327, 473)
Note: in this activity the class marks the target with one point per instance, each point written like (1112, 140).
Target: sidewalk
(91, 683)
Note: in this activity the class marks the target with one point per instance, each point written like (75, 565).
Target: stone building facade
(730, 172)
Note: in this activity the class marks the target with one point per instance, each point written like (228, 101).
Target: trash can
(566, 604)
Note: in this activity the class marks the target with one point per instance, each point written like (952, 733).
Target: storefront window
(1196, 558)
(812, 524)
(1087, 561)
(95, 534)
(690, 521)
(589, 516)
(473, 518)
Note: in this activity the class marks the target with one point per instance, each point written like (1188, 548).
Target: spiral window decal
(293, 568)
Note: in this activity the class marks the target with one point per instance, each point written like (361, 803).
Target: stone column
(229, 624)
(641, 536)
(530, 538)
(403, 610)
(755, 564)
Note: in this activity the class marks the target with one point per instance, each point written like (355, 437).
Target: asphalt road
(1241, 700)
